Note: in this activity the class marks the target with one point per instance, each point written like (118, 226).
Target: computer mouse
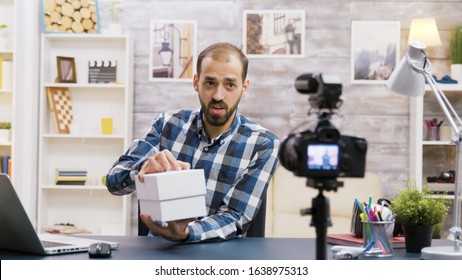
(99, 250)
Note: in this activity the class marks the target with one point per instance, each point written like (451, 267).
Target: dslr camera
(324, 153)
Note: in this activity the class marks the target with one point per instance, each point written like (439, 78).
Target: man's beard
(214, 119)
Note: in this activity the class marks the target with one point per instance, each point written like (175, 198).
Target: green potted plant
(418, 212)
(5, 128)
(114, 27)
(455, 45)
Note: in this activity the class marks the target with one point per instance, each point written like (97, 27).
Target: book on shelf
(71, 172)
(5, 165)
(70, 176)
(348, 239)
(70, 183)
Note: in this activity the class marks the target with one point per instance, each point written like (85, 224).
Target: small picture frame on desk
(66, 70)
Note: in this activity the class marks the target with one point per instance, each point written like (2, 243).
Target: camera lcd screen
(322, 157)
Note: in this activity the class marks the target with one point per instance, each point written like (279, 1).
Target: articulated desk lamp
(409, 79)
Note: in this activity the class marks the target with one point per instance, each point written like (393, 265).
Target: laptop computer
(18, 234)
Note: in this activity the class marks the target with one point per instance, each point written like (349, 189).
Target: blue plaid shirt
(238, 166)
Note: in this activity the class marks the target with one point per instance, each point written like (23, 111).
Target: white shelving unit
(7, 88)
(90, 206)
(430, 158)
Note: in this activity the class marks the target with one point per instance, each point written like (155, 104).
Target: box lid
(171, 185)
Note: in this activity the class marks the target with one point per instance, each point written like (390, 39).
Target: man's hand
(175, 231)
(161, 162)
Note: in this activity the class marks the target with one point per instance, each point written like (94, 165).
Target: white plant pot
(113, 29)
(456, 72)
(5, 135)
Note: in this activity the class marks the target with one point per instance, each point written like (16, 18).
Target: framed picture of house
(374, 51)
(274, 33)
(172, 50)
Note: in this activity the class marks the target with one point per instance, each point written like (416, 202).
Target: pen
(372, 215)
(359, 204)
(379, 216)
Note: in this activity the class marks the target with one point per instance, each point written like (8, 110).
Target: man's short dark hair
(219, 50)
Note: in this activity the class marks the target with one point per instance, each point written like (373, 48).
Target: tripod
(320, 212)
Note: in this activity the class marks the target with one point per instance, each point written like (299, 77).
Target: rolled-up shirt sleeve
(120, 179)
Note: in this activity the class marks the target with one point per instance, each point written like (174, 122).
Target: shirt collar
(231, 131)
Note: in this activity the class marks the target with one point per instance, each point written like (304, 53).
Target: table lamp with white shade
(409, 79)
(424, 30)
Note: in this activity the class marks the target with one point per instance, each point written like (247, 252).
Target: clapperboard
(102, 71)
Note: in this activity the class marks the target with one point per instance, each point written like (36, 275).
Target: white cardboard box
(173, 195)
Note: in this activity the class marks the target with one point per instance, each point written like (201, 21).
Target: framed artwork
(77, 16)
(66, 70)
(274, 33)
(59, 100)
(172, 50)
(374, 51)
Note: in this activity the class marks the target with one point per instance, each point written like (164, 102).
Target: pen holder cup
(433, 133)
(382, 235)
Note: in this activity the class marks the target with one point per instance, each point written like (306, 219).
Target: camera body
(323, 153)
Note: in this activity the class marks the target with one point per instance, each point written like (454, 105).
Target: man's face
(220, 89)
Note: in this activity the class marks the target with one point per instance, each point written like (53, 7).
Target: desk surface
(155, 248)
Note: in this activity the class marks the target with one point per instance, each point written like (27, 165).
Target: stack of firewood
(76, 16)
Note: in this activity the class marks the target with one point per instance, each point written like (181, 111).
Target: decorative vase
(417, 237)
(456, 72)
(113, 29)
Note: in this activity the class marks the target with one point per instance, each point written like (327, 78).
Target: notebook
(18, 234)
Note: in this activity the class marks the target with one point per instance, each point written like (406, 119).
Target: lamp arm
(447, 109)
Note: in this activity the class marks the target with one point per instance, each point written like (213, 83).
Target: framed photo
(77, 16)
(374, 51)
(274, 33)
(172, 50)
(66, 70)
